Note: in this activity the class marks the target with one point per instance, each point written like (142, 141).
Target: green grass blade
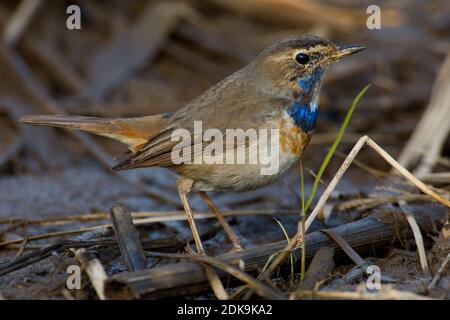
(287, 238)
(303, 217)
(302, 185)
(333, 147)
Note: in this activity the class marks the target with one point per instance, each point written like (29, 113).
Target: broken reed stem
(128, 238)
(260, 288)
(349, 251)
(95, 271)
(417, 236)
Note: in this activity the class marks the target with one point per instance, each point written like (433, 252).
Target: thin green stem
(322, 169)
(291, 255)
(333, 147)
(302, 185)
(303, 217)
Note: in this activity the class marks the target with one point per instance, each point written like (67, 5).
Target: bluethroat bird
(279, 90)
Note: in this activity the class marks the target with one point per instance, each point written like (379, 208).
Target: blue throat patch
(301, 111)
(307, 83)
(303, 116)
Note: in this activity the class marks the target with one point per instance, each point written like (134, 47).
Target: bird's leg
(225, 225)
(184, 186)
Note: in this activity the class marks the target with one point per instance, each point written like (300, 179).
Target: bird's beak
(344, 51)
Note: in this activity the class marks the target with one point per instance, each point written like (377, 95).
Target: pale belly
(242, 177)
(239, 177)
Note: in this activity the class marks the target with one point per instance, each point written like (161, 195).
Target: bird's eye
(302, 58)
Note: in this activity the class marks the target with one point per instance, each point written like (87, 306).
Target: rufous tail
(134, 132)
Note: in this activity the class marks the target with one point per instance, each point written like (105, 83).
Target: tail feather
(132, 131)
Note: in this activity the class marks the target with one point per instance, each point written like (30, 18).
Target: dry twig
(383, 294)
(431, 132)
(417, 236)
(20, 20)
(263, 290)
(128, 238)
(438, 274)
(95, 271)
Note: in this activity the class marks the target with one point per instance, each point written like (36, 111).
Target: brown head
(283, 65)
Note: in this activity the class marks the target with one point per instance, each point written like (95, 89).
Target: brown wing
(229, 105)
